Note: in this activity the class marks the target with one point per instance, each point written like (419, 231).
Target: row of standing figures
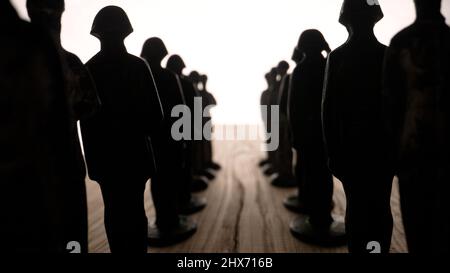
(123, 104)
(365, 114)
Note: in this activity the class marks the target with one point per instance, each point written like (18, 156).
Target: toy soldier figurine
(210, 101)
(353, 130)
(317, 226)
(35, 142)
(116, 139)
(416, 96)
(295, 203)
(266, 113)
(274, 167)
(284, 154)
(83, 102)
(203, 174)
(170, 155)
(189, 203)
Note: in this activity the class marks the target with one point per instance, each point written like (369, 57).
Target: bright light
(234, 41)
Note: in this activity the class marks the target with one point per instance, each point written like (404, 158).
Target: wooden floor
(244, 213)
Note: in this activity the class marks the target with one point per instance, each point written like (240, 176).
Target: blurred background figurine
(36, 162)
(170, 155)
(189, 204)
(353, 130)
(266, 95)
(83, 101)
(284, 155)
(116, 139)
(316, 225)
(416, 107)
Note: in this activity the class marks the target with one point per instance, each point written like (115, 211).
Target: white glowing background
(234, 41)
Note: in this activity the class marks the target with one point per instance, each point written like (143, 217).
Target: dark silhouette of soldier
(189, 203)
(285, 177)
(170, 154)
(295, 202)
(83, 102)
(416, 107)
(203, 171)
(116, 139)
(270, 77)
(352, 125)
(317, 225)
(209, 101)
(35, 142)
(281, 71)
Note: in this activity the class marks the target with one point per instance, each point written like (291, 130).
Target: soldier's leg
(125, 219)
(368, 215)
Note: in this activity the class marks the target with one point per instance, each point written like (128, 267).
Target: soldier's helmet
(282, 67)
(310, 41)
(154, 50)
(49, 6)
(354, 12)
(194, 76)
(111, 21)
(175, 64)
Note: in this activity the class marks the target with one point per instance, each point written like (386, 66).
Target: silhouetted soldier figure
(284, 155)
(353, 127)
(116, 139)
(170, 154)
(189, 204)
(281, 70)
(199, 182)
(318, 225)
(35, 141)
(416, 94)
(265, 111)
(209, 101)
(295, 202)
(83, 102)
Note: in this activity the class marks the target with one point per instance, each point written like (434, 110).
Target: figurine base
(214, 166)
(284, 182)
(196, 204)
(199, 185)
(270, 171)
(162, 238)
(332, 236)
(294, 204)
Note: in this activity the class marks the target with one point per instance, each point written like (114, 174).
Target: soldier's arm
(151, 106)
(329, 110)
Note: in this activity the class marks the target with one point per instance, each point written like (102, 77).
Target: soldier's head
(194, 76)
(282, 68)
(154, 51)
(111, 23)
(311, 42)
(46, 13)
(271, 77)
(176, 64)
(360, 14)
(428, 8)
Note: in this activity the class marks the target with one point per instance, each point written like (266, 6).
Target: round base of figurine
(284, 182)
(214, 166)
(263, 163)
(209, 175)
(332, 236)
(199, 185)
(196, 204)
(270, 171)
(162, 238)
(294, 204)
